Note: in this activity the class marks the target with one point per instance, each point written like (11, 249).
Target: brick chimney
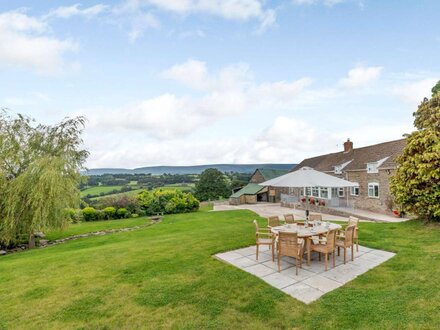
(348, 146)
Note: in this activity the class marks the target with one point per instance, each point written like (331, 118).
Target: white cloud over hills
(26, 42)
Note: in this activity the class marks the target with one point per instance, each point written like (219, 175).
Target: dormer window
(374, 167)
(339, 168)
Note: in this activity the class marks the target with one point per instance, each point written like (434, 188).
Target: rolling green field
(99, 189)
(187, 187)
(133, 192)
(164, 277)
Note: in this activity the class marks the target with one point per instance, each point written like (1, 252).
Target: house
(253, 192)
(371, 167)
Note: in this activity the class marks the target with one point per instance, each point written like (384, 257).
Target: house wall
(381, 204)
(250, 199)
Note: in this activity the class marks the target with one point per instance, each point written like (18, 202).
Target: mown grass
(164, 276)
(93, 226)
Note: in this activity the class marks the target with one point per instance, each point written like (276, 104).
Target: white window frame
(372, 168)
(372, 185)
(354, 191)
(316, 192)
(341, 192)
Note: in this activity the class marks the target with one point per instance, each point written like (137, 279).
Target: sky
(187, 82)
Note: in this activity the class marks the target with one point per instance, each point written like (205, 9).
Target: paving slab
(303, 292)
(279, 280)
(312, 280)
(322, 283)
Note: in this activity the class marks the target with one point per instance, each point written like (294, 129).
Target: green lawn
(88, 227)
(164, 276)
(99, 189)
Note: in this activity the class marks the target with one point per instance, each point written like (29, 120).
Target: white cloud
(75, 10)
(284, 140)
(414, 92)
(329, 3)
(361, 76)
(227, 92)
(25, 42)
(239, 10)
(191, 73)
(141, 22)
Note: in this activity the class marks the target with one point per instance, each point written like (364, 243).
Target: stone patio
(312, 281)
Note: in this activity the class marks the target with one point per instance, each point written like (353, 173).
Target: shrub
(100, 215)
(89, 214)
(131, 203)
(167, 201)
(109, 212)
(122, 213)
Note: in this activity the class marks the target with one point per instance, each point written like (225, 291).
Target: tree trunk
(31, 243)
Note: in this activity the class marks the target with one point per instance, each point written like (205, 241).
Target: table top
(304, 231)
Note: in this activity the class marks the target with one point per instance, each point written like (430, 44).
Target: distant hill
(157, 170)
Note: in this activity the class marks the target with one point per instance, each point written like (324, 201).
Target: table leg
(308, 242)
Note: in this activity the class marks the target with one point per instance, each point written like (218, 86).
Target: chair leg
(273, 252)
(257, 251)
(352, 252)
(345, 255)
(339, 251)
(278, 262)
(334, 257)
(326, 261)
(296, 266)
(357, 244)
(319, 256)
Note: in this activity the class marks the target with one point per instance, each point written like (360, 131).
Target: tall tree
(212, 185)
(436, 88)
(416, 185)
(39, 174)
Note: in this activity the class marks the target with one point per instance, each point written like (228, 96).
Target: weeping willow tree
(39, 175)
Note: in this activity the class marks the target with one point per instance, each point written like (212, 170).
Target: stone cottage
(253, 192)
(371, 167)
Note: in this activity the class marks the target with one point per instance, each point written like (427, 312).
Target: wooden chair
(355, 221)
(326, 246)
(352, 221)
(264, 237)
(289, 245)
(315, 217)
(346, 241)
(289, 218)
(273, 221)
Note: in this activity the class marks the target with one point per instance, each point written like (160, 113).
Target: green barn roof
(249, 189)
(269, 173)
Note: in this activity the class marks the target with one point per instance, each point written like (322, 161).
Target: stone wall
(381, 204)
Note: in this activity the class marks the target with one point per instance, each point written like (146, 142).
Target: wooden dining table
(306, 232)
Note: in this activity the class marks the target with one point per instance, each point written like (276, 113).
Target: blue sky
(207, 81)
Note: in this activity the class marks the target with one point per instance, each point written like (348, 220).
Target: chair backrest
(273, 221)
(288, 244)
(349, 235)
(331, 239)
(289, 218)
(353, 221)
(315, 217)
(257, 228)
